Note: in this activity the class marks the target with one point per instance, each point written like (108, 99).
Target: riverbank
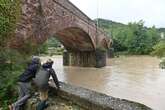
(77, 98)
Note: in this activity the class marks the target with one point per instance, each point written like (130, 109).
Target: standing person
(41, 80)
(24, 83)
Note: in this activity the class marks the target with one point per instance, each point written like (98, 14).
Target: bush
(11, 65)
(9, 15)
(134, 38)
(159, 49)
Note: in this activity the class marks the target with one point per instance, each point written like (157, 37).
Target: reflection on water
(136, 78)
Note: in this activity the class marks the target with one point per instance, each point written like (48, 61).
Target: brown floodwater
(136, 78)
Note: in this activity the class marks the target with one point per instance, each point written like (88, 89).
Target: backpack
(41, 79)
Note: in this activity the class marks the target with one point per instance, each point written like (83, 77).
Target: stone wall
(85, 59)
(92, 100)
(41, 19)
(110, 53)
(77, 98)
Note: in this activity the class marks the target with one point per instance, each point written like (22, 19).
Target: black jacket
(30, 72)
(54, 76)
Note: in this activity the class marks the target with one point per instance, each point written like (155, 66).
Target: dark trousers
(24, 94)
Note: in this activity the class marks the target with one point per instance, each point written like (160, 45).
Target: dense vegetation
(51, 47)
(133, 38)
(9, 59)
(54, 46)
(9, 14)
(159, 50)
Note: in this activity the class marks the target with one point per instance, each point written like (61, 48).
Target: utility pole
(97, 24)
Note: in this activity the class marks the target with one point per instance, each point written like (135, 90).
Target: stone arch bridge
(41, 19)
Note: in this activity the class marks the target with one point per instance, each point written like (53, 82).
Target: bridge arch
(41, 19)
(75, 39)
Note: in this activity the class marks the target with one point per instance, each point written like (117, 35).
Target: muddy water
(137, 78)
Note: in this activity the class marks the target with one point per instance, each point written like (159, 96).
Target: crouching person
(24, 84)
(41, 81)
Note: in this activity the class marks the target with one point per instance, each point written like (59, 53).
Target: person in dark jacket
(41, 80)
(24, 83)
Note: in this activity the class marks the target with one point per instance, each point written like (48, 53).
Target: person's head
(48, 64)
(36, 60)
(50, 61)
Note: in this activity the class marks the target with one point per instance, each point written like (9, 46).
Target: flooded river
(137, 78)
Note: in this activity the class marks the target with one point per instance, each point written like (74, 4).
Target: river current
(136, 78)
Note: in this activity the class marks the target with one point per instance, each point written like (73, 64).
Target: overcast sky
(124, 11)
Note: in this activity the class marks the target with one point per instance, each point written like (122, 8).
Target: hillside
(108, 23)
(134, 38)
(111, 26)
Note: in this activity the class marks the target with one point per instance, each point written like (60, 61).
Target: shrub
(11, 65)
(162, 64)
(159, 49)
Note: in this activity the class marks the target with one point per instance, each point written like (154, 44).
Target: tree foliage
(53, 42)
(9, 67)
(9, 71)
(159, 49)
(138, 42)
(9, 15)
(133, 38)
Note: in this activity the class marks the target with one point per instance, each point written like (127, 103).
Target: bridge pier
(110, 53)
(85, 59)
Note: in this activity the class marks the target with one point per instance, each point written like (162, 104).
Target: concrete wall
(92, 100)
(85, 99)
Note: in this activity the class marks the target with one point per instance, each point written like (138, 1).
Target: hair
(36, 59)
(50, 61)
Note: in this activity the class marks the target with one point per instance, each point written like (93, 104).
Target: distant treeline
(133, 38)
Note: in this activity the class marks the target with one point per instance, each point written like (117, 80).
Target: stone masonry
(41, 19)
(70, 97)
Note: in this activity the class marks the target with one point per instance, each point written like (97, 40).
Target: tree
(137, 42)
(53, 42)
(154, 35)
(9, 15)
(159, 49)
(140, 39)
(133, 38)
(9, 66)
